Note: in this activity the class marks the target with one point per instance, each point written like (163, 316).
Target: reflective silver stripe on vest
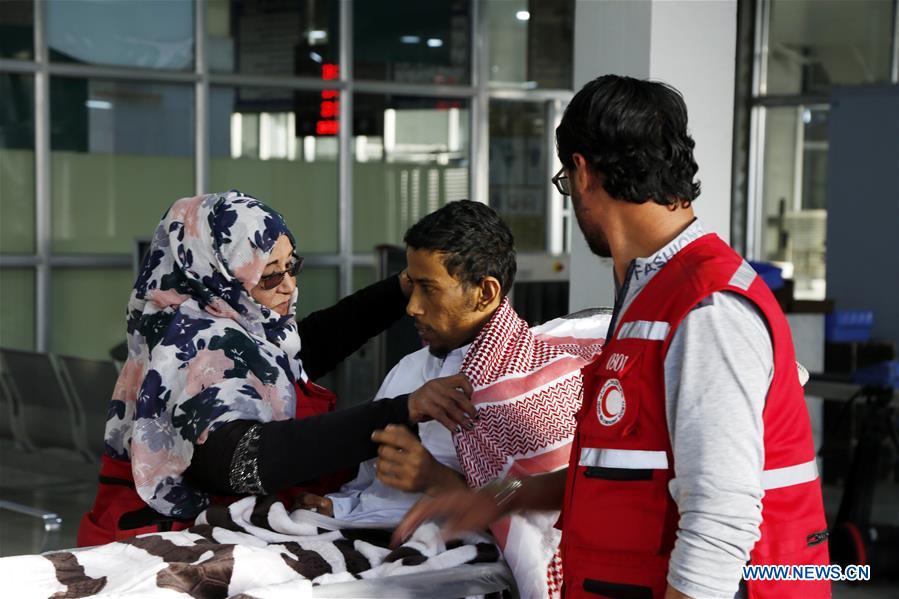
(744, 276)
(653, 330)
(632, 459)
(791, 475)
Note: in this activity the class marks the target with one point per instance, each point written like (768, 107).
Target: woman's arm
(252, 457)
(271, 456)
(332, 334)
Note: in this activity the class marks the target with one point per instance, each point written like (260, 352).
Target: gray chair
(50, 418)
(90, 384)
(10, 412)
(12, 427)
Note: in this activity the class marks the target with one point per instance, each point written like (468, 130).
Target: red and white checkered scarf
(527, 389)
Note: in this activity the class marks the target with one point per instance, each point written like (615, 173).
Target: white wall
(689, 44)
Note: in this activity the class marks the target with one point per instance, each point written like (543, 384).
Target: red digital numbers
(330, 72)
(327, 127)
(329, 109)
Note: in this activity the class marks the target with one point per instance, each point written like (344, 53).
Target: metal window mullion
(501, 93)
(480, 109)
(42, 182)
(554, 208)
(87, 71)
(201, 101)
(415, 89)
(755, 184)
(18, 66)
(92, 261)
(798, 161)
(760, 56)
(18, 261)
(755, 173)
(365, 260)
(344, 153)
(794, 100)
(266, 81)
(894, 59)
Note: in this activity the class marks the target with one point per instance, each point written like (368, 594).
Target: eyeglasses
(562, 183)
(271, 281)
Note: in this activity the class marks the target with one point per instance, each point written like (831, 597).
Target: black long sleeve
(292, 451)
(332, 334)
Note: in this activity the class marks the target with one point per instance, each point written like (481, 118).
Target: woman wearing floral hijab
(218, 371)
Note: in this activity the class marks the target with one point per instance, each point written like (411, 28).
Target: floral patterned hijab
(201, 350)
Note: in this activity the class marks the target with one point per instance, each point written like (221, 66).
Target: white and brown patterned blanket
(252, 548)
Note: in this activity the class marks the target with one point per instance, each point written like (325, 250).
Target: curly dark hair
(634, 133)
(476, 241)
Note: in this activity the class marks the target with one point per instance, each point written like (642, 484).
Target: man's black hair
(475, 240)
(635, 134)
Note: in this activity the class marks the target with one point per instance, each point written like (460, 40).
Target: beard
(438, 352)
(598, 243)
(593, 233)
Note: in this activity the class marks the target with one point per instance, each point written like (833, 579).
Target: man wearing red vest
(693, 454)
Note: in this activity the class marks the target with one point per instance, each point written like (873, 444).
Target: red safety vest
(119, 512)
(618, 519)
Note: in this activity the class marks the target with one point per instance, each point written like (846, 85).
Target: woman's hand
(405, 464)
(314, 503)
(445, 400)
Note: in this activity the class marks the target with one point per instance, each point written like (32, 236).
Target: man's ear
(582, 175)
(490, 291)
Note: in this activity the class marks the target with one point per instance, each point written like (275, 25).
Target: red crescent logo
(610, 403)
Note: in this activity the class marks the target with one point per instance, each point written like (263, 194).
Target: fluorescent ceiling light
(435, 42)
(99, 104)
(522, 15)
(317, 34)
(410, 39)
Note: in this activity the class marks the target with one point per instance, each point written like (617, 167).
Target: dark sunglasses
(561, 182)
(273, 280)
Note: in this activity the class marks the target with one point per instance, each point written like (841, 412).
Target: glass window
(363, 276)
(16, 163)
(88, 310)
(17, 308)
(813, 45)
(318, 288)
(411, 157)
(360, 382)
(412, 41)
(530, 43)
(794, 218)
(138, 33)
(17, 29)
(280, 146)
(261, 37)
(121, 153)
(518, 169)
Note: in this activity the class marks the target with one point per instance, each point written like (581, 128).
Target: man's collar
(645, 268)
